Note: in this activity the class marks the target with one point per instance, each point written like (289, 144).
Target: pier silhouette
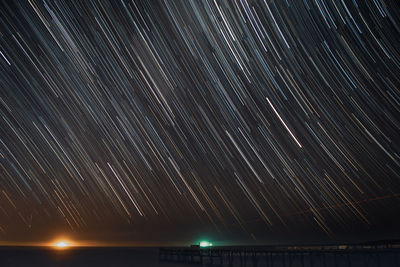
(376, 254)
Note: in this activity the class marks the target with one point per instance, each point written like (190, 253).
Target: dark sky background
(149, 122)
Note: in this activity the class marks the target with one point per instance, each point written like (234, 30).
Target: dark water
(81, 257)
(148, 257)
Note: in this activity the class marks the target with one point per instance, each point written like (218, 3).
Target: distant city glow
(62, 244)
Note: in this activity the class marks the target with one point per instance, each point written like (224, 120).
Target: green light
(205, 244)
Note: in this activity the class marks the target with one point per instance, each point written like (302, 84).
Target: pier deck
(352, 256)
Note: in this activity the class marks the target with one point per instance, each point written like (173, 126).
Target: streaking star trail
(138, 120)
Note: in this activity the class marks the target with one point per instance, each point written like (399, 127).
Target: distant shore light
(204, 244)
(62, 244)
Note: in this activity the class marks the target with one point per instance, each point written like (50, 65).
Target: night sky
(148, 122)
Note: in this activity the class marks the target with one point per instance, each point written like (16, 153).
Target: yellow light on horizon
(62, 244)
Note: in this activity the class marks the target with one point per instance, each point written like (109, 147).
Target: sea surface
(148, 257)
(81, 257)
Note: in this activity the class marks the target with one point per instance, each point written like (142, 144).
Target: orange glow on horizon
(71, 243)
(62, 243)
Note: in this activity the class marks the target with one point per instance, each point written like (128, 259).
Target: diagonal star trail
(268, 115)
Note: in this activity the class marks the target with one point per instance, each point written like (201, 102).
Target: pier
(313, 256)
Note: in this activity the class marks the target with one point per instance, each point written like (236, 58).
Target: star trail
(248, 118)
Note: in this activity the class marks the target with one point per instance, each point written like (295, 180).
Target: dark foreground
(149, 257)
(80, 257)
